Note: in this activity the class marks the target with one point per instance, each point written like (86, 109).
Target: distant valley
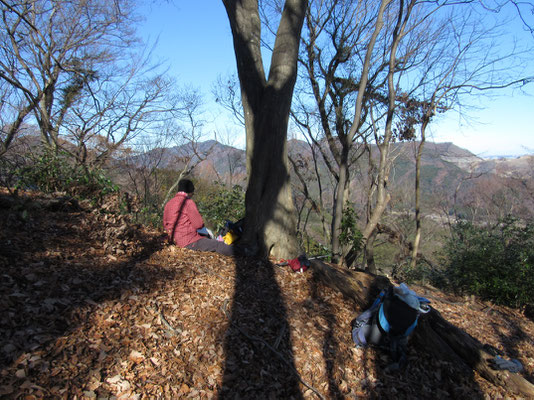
(448, 173)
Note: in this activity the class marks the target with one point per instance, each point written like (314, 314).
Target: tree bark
(437, 336)
(418, 196)
(339, 205)
(270, 222)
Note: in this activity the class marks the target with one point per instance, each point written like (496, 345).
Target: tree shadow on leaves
(54, 277)
(259, 359)
(426, 375)
(433, 369)
(330, 347)
(511, 344)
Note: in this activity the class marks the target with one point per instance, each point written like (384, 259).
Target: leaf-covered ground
(92, 306)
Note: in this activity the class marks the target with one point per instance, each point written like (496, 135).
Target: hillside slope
(449, 174)
(94, 306)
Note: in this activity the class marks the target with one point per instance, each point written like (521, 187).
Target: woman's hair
(185, 185)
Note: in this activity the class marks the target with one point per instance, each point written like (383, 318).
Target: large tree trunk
(375, 213)
(434, 333)
(270, 223)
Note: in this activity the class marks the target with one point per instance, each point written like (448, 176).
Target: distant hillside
(447, 171)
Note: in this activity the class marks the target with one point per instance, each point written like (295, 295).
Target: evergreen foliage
(350, 234)
(55, 172)
(493, 262)
(217, 204)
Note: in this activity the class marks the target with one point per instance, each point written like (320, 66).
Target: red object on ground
(296, 265)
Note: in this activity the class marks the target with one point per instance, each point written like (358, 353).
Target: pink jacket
(181, 220)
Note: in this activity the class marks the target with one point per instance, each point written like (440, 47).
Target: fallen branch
(171, 330)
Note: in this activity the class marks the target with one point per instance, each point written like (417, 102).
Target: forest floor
(93, 306)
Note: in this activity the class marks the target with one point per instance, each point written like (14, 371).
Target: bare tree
(154, 162)
(227, 95)
(353, 58)
(457, 66)
(270, 224)
(13, 112)
(73, 69)
(328, 45)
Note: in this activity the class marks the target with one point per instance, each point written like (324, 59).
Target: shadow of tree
(511, 342)
(330, 347)
(259, 357)
(426, 375)
(447, 374)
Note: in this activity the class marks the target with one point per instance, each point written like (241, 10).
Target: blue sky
(195, 40)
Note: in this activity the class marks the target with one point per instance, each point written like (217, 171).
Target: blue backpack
(390, 320)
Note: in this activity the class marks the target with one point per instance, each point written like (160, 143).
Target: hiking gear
(363, 325)
(235, 227)
(230, 238)
(390, 321)
(512, 365)
(299, 264)
(205, 232)
(231, 231)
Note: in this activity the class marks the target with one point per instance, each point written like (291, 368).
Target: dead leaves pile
(94, 307)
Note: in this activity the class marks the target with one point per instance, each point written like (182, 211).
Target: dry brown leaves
(93, 307)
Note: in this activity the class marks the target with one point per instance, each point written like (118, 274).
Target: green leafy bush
(313, 249)
(218, 203)
(350, 234)
(495, 263)
(149, 216)
(422, 273)
(55, 172)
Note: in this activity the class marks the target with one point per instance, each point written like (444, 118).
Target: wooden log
(360, 287)
(438, 336)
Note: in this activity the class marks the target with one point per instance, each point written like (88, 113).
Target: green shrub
(313, 248)
(55, 172)
(495, 263)
(149, 216)
(350, 234)
(217, 204)
(422, 273)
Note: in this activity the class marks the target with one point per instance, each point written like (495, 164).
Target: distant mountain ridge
(449, 175)
(223, 159)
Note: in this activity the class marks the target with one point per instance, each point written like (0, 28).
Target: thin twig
(173, 331)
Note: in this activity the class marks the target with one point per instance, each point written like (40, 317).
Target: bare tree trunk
(369, 253)
(417, 238)
(318, 208)
(339, 203)
(383, 197)
(270, 223)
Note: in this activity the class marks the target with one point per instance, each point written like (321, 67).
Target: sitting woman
(182, 221)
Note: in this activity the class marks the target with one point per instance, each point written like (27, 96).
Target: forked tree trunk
(434, 334)
(270, 220)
